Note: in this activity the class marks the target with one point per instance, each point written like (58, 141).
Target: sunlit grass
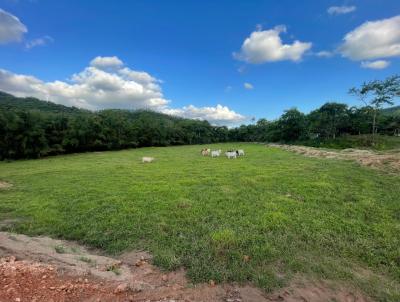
(263, 218)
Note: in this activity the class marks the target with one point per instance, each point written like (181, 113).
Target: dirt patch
(386, 161)
(317, 291)
(33, 281)
(44, 269)
(67, 256)
(5, 185)
(8, 223)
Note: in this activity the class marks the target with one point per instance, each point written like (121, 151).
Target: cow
(146, 159)
(230, 154)
(215, 153)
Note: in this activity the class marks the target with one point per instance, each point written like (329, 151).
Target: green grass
(291, 215)
(382, 142)
(92, 263)
(60, 249)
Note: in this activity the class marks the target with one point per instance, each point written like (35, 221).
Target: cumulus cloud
(373, 40)
(106, 62)
(341, 10)
(92, 88)
(219, 115)
(248, 86)
(267, 46)
(20, 85)
(379, 64)
(38, 42)
(11, 28)
(324, 54)
(107, 83)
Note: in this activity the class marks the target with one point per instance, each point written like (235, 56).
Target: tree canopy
(376, 94)
(31, 128)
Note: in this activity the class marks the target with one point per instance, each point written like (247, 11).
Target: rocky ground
(388, 161)
(44, 269)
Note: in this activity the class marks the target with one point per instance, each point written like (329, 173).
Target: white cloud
(92, 88)
(11, 29)
(373, 40)
(228, 88)
(107, 83)
(219, 115)
(266, 46)
(38, 42)
(21, 85)
(138, 76)
(106, 62)
(379, 64)
(341, 10)
(248, 86)
(324, 54)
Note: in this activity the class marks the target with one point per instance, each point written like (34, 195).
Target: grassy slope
(290, 214)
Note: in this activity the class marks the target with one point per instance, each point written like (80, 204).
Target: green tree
(376, 94)
(292, 125)
(329, 120)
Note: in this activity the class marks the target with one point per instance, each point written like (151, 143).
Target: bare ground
(388, 161)
(44, 269)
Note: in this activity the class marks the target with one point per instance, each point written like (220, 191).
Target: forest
(32, 128)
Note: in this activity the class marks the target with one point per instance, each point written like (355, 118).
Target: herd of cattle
(216, 153)
(207, 152)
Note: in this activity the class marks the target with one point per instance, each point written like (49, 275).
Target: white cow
(230, 154)
(216, 153)
(146, 159)
(240, 152)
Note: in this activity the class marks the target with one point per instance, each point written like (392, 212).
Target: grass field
(264, 218)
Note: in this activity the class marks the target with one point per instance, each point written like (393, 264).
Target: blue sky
(187, 48)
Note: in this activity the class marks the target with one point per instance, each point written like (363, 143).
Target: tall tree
(292, 125)
(329, 119)
(376, 94)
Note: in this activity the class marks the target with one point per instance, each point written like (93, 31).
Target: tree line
(34, 133)
(30, 128)
(333, 119)
(330, 121)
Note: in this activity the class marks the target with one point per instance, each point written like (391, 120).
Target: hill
(31, 128)
(391, 110)
(8, 101)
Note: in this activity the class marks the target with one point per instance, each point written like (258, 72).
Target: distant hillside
(9, 101)
(31, 128)
(392, 110)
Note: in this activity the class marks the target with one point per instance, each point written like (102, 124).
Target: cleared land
(387, 161)
(266, 218)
